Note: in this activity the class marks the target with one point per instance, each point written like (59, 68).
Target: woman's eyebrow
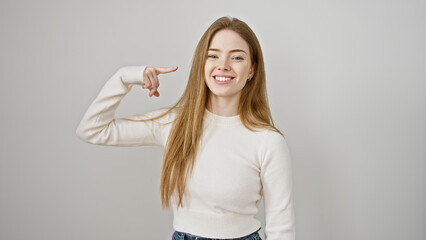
(233, 50)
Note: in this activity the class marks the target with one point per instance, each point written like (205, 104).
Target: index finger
(161, 70)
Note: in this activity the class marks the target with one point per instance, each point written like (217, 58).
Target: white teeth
(222, 78)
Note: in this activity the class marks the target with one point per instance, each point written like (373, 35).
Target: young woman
(222, 152)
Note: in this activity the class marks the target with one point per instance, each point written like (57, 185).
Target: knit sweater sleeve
(98, 125)
(276, 176)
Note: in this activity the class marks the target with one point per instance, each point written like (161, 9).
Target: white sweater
(234, 167)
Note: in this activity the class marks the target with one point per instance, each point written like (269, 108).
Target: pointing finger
(165, 69)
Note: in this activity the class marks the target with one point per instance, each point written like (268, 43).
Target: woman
(222, 151)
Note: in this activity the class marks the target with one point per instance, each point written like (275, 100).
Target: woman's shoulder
(274, 145)
(273, 136)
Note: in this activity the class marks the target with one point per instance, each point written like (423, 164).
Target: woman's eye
(212, 56)
(238, 58)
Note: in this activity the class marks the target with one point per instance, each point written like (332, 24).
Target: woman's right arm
(98, 125)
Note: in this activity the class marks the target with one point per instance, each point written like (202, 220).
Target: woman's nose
(224, 65)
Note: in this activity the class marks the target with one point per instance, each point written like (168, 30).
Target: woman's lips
(222, 79)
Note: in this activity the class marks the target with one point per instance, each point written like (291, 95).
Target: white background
(346, 84)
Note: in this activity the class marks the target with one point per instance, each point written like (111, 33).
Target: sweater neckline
(222, 120)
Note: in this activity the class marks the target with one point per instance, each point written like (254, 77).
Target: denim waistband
(186, 236)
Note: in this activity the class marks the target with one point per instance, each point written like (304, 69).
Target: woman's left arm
(277, 188)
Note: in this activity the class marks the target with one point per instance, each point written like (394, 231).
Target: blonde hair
(181, 148)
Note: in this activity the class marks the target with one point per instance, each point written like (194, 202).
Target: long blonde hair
(181, 148)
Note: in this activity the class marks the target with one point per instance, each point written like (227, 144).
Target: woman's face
(228, 65)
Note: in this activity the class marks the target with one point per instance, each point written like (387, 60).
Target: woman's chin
(223, 94)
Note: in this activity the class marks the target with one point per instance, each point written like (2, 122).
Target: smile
(223, 79)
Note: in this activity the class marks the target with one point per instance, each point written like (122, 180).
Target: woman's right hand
(150, 78)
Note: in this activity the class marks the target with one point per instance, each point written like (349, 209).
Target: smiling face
(228, 65)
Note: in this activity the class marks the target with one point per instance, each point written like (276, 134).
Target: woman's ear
(252, 70)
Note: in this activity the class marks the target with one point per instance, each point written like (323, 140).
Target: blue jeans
(186, 236)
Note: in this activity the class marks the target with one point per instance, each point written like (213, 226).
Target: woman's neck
(223, 106)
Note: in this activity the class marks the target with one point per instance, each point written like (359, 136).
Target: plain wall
(346, 84)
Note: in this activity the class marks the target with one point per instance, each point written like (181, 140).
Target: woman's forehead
(228, 40)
